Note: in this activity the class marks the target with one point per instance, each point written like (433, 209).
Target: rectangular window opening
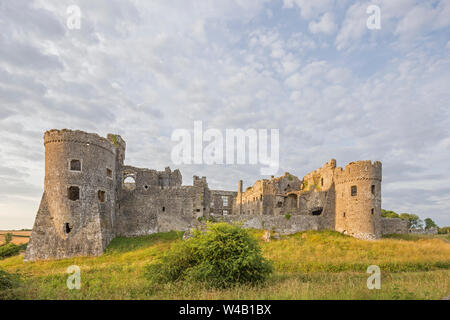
(75, 165)
(73, 193)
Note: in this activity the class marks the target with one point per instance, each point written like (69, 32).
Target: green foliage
(287, 216)
(444, 230)
(389, 214)
(8, 237)
(222, 256)
(8, 282)
(290, 177)
(429, 223)
(114, 140)
(413, 220)
(9, 249)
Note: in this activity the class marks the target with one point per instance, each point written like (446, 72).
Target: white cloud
(325, 24)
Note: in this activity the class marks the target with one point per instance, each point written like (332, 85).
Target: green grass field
(308, 265)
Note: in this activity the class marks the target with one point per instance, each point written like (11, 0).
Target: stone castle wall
(394, 225)
(90, 196)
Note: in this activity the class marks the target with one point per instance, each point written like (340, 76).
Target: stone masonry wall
(393, 225)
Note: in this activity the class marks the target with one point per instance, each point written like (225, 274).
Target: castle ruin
(90, 196)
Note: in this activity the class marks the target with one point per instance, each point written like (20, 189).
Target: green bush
(8, 250)
(444, 230)
(287, 216)
(222, 256)
(8, 282)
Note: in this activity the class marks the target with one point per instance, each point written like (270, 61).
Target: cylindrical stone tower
(77, 210)
(358, 199)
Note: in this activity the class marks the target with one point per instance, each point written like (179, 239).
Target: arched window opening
(129, 182)
(101, 196)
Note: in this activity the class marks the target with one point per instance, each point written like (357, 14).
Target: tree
(389, 214)
(413, 220)
(8, 237)
(430, 223)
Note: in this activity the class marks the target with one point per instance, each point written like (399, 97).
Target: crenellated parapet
(359, 171)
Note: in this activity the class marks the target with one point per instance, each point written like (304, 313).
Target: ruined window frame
(225, 201)
(70, 165)
(107, 173)
(225, 212)
(105, 195)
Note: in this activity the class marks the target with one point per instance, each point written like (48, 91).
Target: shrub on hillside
(8, 250)
(8, 282)
(221, 256)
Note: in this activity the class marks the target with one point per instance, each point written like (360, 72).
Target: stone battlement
(82, 137)
(359, 171)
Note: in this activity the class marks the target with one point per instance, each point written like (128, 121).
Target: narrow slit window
(108, 173)
(372, 189)
(67, 228)
(372, 211)
(354, 191)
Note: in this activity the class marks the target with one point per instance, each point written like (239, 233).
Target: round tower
(358, 199)
(77, 210)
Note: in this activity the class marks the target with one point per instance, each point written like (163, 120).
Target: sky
(312, 69)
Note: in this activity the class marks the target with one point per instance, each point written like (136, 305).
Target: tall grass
(308, 265)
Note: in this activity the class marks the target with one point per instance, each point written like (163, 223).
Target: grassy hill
(308, 265)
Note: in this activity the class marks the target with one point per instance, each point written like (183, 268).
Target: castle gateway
(90, 196)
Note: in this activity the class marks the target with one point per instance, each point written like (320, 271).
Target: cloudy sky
(312, 69)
